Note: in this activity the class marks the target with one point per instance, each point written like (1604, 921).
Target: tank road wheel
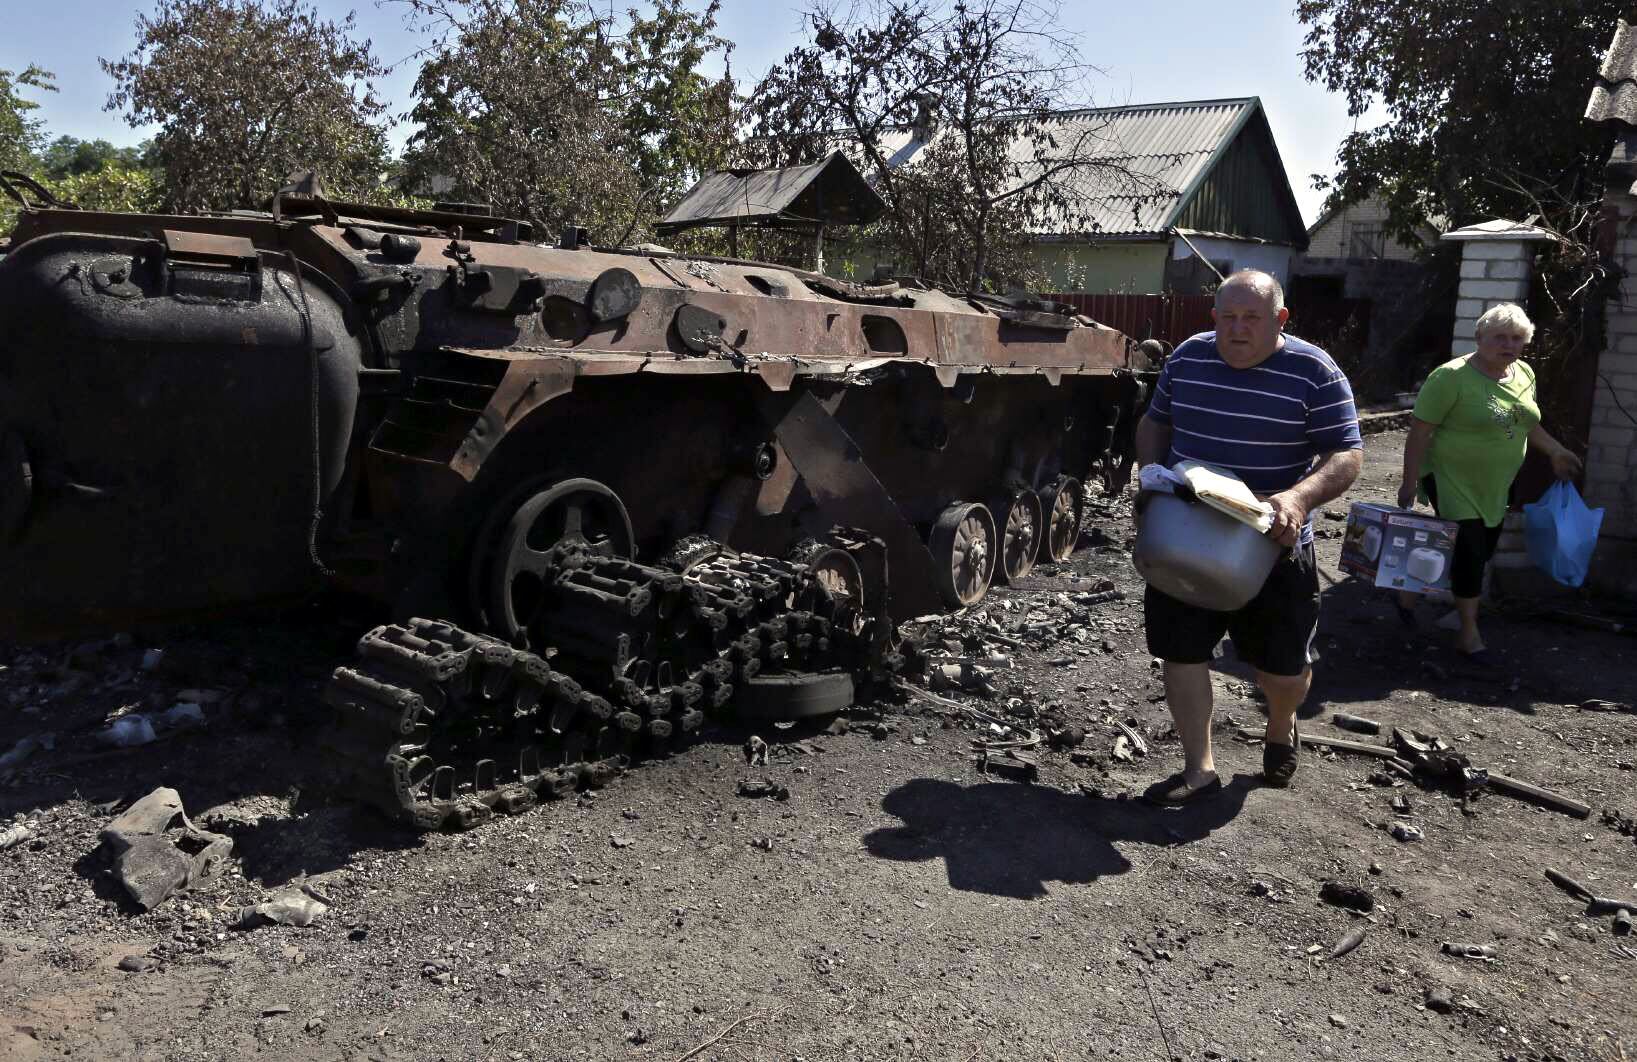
(797, 695)
(573, 512)
(1019, 517)
(963, 553)
(1062, 504)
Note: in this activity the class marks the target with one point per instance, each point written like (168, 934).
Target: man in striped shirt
(1279, 414)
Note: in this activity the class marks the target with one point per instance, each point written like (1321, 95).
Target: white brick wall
(1492, 272)
(1611, 465)
(1333, 237)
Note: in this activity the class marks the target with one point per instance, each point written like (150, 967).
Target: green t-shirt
(1483, 431)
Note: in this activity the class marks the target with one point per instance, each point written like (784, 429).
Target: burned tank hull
(200, 413)
(172, 410)
(657, 485)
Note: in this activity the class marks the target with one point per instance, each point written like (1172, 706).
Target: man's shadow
(1007, 839)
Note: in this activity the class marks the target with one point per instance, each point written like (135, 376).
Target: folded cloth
(1160, 478)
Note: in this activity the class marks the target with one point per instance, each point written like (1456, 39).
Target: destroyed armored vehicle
(634, 486)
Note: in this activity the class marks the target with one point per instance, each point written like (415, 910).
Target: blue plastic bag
(1561, 533)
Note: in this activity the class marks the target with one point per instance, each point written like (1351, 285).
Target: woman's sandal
(1174, 792)
(1279, 761)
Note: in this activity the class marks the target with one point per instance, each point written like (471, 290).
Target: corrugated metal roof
(831, 191)
(1168, 147)
(1614, 96)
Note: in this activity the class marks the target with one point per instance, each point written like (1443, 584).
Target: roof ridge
(1176, 105)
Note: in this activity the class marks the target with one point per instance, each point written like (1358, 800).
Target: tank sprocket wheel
(963, 553)
(521, 560)
(1019, 519)
(1062, 502)
(835, 572)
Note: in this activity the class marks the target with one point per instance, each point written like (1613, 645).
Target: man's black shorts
(1273, 633)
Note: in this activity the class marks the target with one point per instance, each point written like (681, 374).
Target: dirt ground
(898, 905)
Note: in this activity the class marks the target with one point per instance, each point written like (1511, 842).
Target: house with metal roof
(1209, 183)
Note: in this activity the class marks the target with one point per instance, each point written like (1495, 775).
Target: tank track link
(441, 728)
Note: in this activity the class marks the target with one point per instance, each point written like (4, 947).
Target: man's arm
(1153, 441)
(1335, 472)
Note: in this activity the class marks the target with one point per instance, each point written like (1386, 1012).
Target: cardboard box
(1398, 549)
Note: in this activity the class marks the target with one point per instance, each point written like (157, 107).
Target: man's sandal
(1174, 792)
(1279, 761)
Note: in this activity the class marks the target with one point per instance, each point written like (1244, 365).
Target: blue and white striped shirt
(1265, 424)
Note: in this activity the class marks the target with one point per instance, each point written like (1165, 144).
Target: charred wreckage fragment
(638, 487)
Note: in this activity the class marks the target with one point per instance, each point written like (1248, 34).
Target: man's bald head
(1264, 284)
(1250, 315)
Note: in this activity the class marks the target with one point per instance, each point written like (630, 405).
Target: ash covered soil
(899, 904)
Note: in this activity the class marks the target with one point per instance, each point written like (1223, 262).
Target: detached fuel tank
(174, 413)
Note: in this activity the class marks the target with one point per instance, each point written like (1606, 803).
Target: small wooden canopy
(831, 192)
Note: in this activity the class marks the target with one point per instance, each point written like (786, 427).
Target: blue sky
(1150, 52)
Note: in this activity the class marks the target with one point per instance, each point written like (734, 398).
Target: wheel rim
(969, 560)
(578, 514)
(838, 574)
(1063, 522)
(1020, 539)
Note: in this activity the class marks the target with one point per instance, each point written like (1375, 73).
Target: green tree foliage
(1484, 99)
(68, 156)
(20, 132)
(245, 92)
(552, 112)
(116, 187)
(973, 90)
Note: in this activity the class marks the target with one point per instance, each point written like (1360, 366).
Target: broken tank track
(441, 728)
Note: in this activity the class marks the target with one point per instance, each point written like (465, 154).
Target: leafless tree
(955, 113)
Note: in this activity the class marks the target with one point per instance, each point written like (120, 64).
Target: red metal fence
(1172, 318)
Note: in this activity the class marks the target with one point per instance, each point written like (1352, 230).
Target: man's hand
(1406, 496)
(1565, 465)
(1289, 513)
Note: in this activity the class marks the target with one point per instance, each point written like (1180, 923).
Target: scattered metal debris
(765, 788)
(1349, 941)
(1596, 906)
(15, 835)
(1460, 950)
(288, 907)
(1356, 723)
(1596, 704)
(157, 850)
(1351, 897)
(1009, 763)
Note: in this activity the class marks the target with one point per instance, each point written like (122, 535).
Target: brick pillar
(1497, 258)
(1611, 457)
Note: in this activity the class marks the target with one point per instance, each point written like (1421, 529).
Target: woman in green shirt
(1474, 419)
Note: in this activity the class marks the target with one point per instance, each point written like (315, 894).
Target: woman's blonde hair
(1507, 313)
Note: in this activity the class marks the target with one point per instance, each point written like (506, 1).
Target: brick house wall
(1611, 460)
(1355, 231)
